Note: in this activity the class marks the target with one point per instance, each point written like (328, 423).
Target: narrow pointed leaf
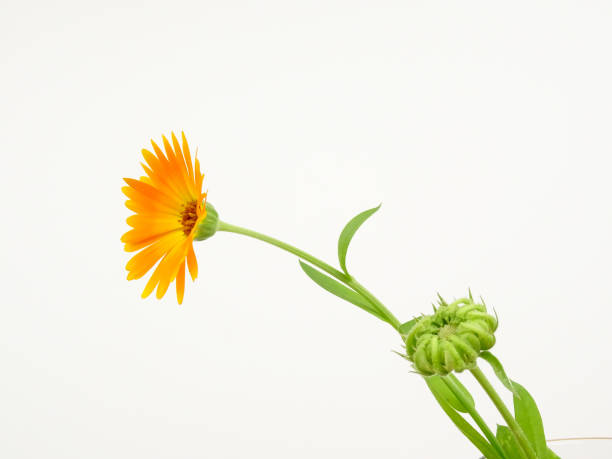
(465, 427)
(335, 287)
(348, 232)
(404, 328)
(508, 442)
(499, 371)
(436, 383)
(528, 417)
(464, 391)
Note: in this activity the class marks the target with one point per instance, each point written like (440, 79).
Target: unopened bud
(450, 339)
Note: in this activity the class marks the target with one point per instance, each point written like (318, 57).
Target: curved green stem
(342, 277)
(395, 323)
(288, 247)
(505, 412)
(475, 415)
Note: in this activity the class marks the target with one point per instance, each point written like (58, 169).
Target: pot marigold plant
(171, 212)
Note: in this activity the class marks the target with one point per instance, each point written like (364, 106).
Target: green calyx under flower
(209, 226)
(450, 339)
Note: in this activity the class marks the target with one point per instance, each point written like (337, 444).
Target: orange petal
(169, 268)
(140, 191)
(171, 171)
(192, 262)
(143, 261)
(199, 178)
(169, 152)
(161, 274)
(150, 158)
(157, 150)
(187, 155)
(136, 236)
(152, 283)
(175, 144)
(180, 283)
(181, 165)
(146, 225)
(149, 208)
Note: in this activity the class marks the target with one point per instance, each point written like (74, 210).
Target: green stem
(395, 323)
(505, 412)
(471, 409)
(288, 247)
(342, 277)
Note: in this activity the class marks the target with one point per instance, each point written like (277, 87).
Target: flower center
(189, 216)
(446, 331)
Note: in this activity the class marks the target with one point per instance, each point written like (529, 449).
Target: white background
(483, 127)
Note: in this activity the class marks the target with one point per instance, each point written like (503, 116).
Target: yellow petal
(180, 283)
(192, 262)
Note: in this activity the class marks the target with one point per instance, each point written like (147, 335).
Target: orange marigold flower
(169, 204)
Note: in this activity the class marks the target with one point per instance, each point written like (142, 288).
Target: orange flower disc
(169, 204)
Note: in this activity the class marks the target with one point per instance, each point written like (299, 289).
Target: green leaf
(552, 454)
(404, 328)
(466, 394)
(465, 427)
(508, 442)
(528, 417)
(444, 391)
(335, 287)
(499, 371)
(449, 395)
(348, 232)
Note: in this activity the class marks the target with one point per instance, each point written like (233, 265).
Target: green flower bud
(209, 226)
(450, 339)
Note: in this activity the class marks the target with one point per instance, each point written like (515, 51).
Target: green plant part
(209, 226)
(451, 338)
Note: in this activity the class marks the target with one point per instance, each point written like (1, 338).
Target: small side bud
(209, 226)
(450, 339)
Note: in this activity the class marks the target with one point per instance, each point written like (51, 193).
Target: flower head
(450, 339)
(169, 204)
